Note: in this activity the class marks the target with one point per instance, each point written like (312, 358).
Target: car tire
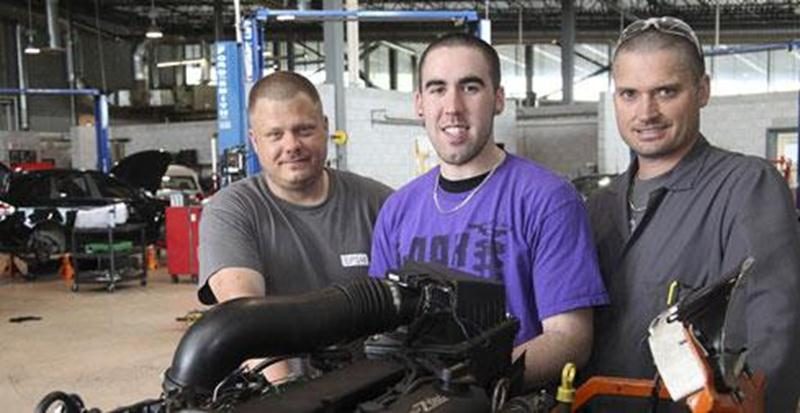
(46, 241)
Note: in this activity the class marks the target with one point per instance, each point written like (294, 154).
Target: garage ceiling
(531, 20)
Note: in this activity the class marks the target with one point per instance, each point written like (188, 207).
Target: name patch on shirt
(354, 260)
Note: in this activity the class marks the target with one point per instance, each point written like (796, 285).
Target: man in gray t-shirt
(296, 227)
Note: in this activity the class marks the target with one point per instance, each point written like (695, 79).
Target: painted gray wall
(48, 145)
(738, 123)
(562, 138)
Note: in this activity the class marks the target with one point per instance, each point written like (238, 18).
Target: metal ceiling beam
(194, 20)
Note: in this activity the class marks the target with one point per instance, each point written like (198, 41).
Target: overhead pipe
(53, 33)
(353, 62)
(237, 20)
(567, 50)
(205, 68)
(22, 83)
(9, 103)
(71, 78)
(141, 70)
(218, 25)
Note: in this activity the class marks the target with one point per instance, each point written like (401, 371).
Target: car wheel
(46, 241)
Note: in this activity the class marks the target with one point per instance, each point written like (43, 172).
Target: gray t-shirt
(296, 248)
(639, 197)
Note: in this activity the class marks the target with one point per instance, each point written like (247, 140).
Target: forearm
(566, 338)
(275, 373)
(230, 283)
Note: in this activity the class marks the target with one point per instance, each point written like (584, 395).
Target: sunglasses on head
(666, 24)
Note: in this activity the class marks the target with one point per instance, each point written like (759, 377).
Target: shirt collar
(682, 177)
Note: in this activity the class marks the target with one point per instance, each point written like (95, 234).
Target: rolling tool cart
(116, 253)
(182, 240)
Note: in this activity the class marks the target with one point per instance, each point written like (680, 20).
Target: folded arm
(565, 338)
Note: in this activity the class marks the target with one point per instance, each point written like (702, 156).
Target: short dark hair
(653, 38)
(282, 86)
(465, 40)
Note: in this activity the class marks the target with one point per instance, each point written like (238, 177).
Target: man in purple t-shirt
(493, 214)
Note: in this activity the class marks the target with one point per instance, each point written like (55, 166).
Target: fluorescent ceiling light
(154, 33)
(31, 49)
(188, 62)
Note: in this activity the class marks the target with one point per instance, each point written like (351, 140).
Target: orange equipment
(747, 398)
(151, 261)
(710, 378)
(66, 271)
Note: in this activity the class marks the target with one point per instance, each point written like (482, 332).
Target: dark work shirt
(713, 210)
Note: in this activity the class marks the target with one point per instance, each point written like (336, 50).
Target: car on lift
(44, 203)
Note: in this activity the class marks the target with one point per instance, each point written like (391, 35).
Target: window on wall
(195, 64)
(405, 70)
(591, 71)
(378, 67)
(744, 73)
(547, 72)
(309, 60)
(784, 70)
(512, 69)
(739, 74)
(590, 76)
(761, 72)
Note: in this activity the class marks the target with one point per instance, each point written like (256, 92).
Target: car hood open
(143, 169)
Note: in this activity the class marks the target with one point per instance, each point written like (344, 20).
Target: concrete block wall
(562, 138)
(171, 137)
(382, 151)
(51, 146)
(84, 147)
(738, 123)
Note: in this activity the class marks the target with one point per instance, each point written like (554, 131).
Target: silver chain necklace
(472, 193)
(636, 209)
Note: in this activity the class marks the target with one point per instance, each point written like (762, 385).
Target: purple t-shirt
(525, 226)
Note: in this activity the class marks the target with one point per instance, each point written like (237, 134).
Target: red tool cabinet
(182, 239)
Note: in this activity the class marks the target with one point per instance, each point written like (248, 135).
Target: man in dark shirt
(689, 212)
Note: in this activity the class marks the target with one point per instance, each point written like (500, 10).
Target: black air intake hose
(246, 328)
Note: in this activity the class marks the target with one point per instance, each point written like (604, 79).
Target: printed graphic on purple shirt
(483, 245)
